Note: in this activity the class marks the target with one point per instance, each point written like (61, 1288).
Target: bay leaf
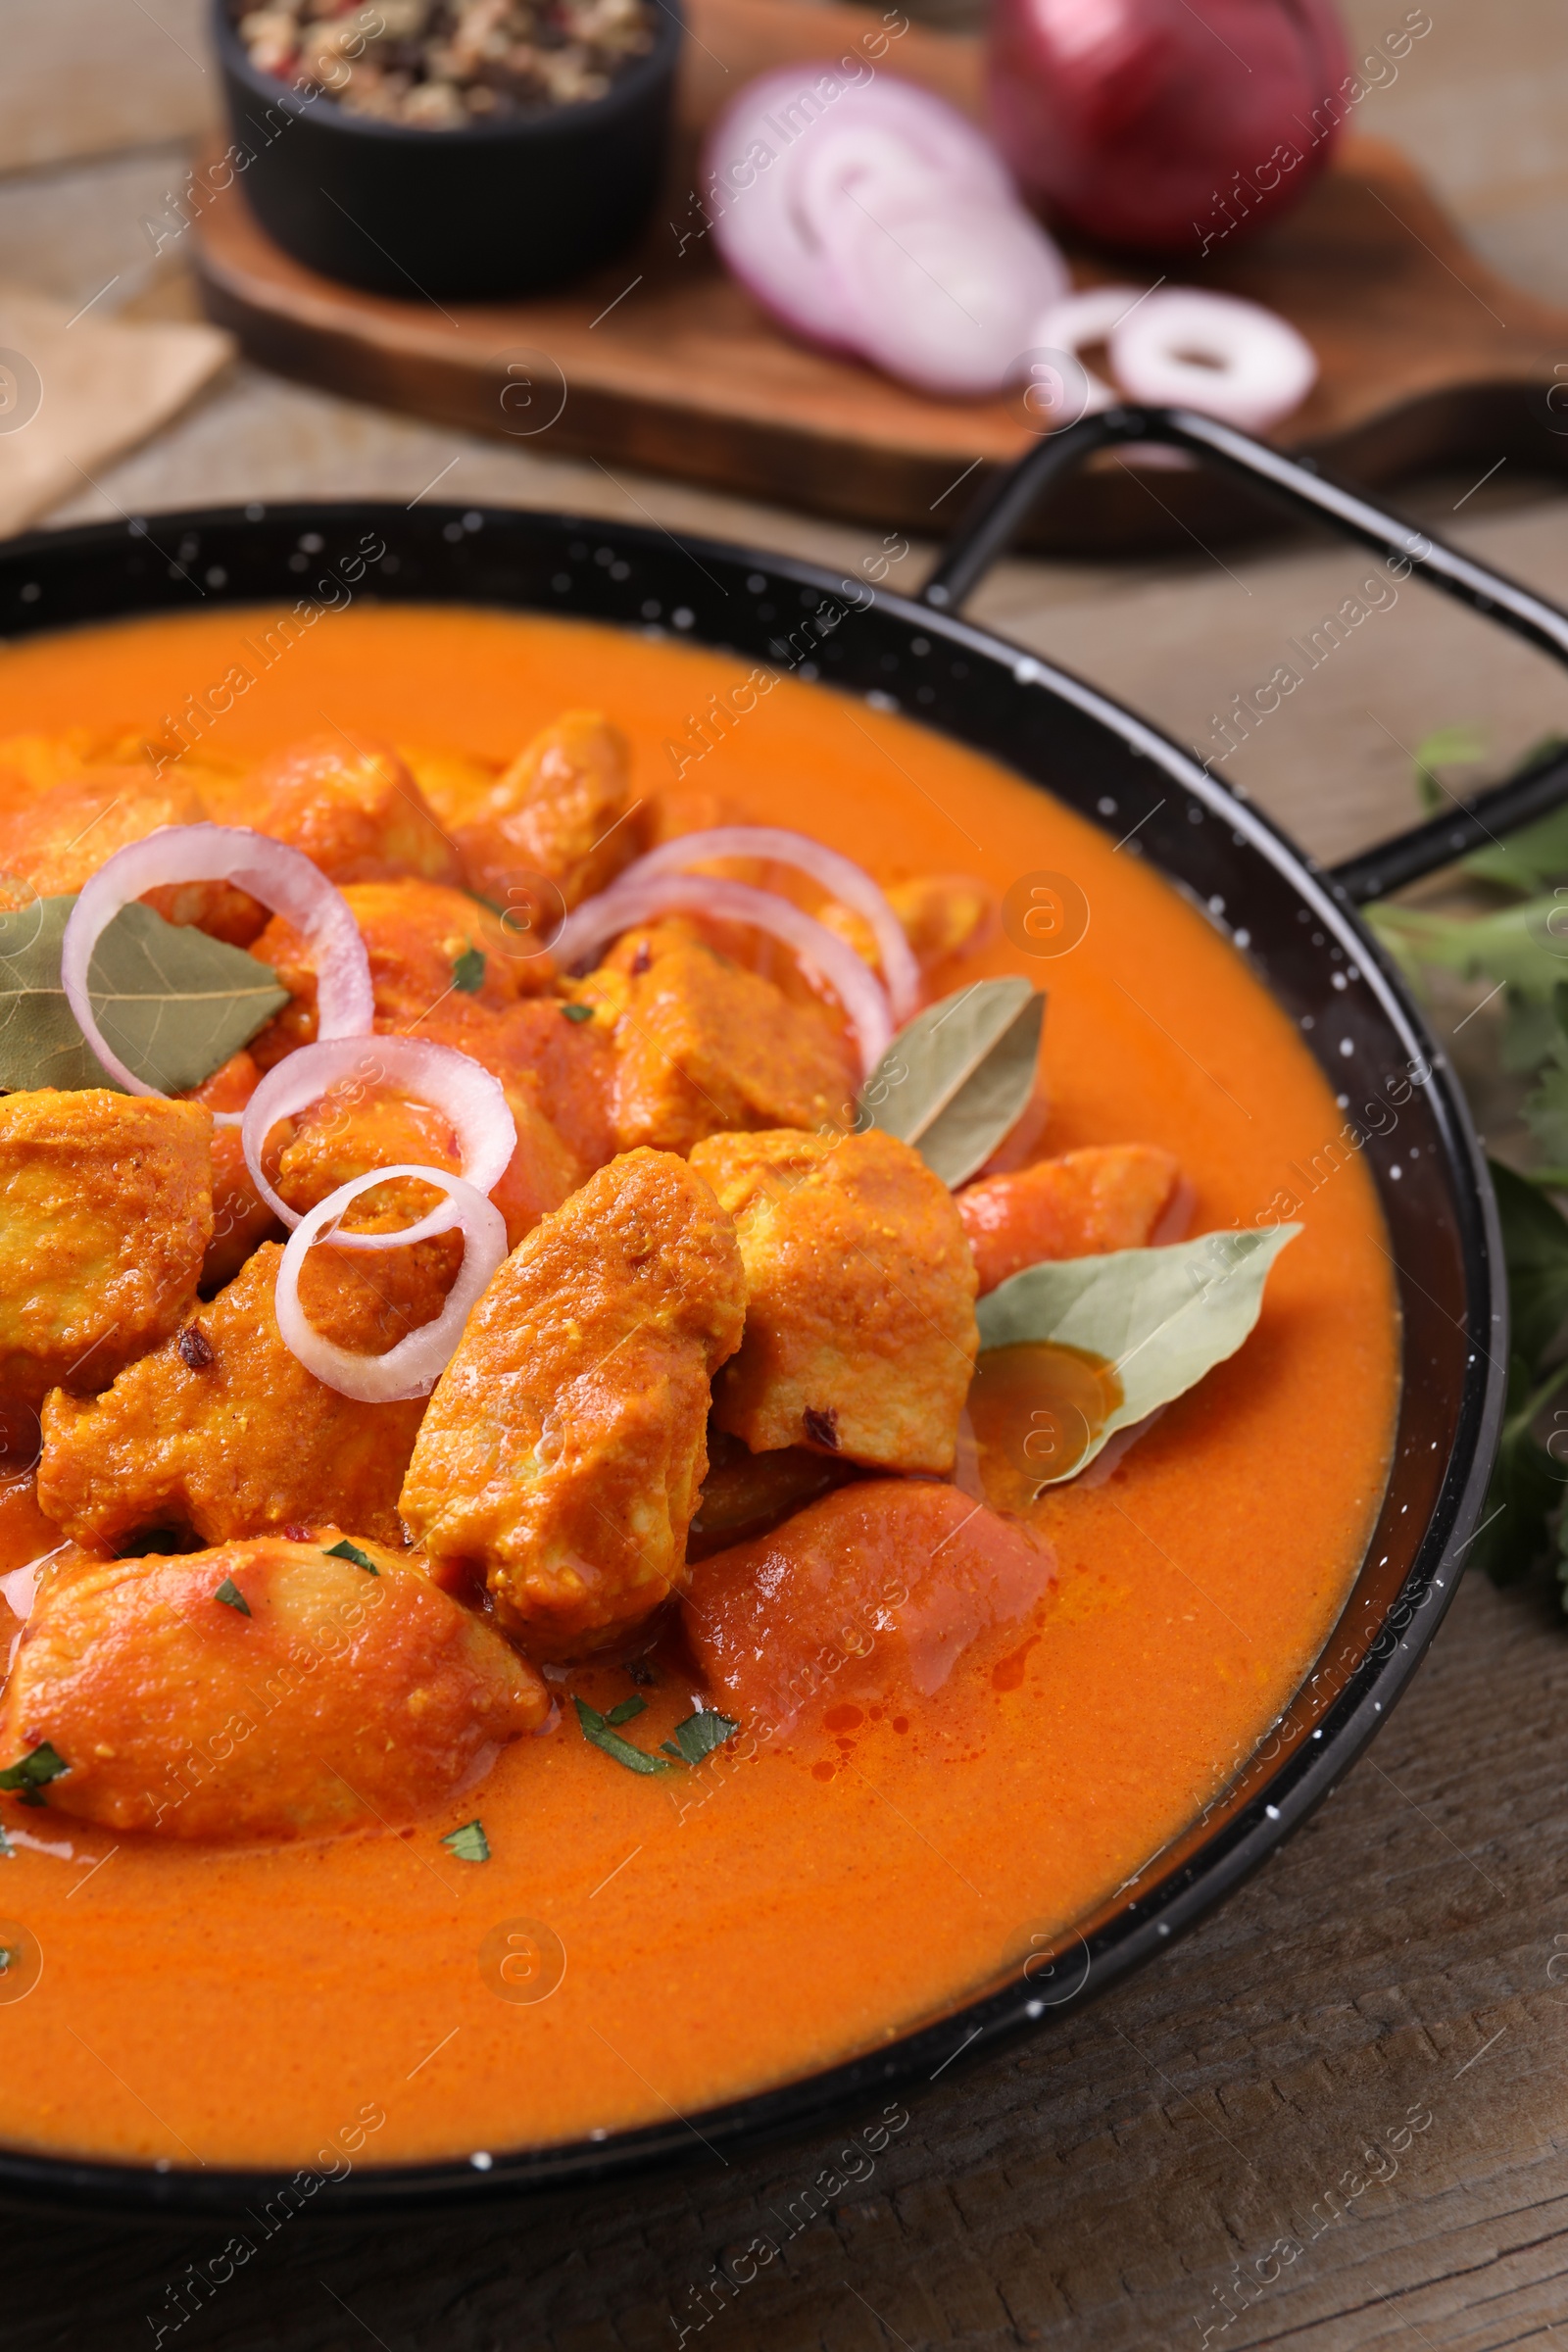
(1162, 1318)
(173, 1003)
(955, 1080)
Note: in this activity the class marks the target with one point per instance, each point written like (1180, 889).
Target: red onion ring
(282, 878)
(838, 875)
(851, 979)
(1261, 368)
(414, 1366)
(449, 1081)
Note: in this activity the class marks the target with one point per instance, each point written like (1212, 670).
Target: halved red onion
(851, 981)
(451, 1082)
(414, 1366)
(750, 169)
(840, 876)
(1230, 359)
(281, 878)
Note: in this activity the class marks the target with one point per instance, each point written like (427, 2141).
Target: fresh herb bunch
(1520, 945)
(1531, 1480)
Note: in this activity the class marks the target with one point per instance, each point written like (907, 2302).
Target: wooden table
(1128, 2181)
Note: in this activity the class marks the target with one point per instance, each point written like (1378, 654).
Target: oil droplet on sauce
(1035, 1410)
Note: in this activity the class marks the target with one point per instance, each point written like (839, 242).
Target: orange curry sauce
(724, 1930)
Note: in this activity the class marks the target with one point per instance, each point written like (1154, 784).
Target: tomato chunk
(876, 1592)
(1111, 1196)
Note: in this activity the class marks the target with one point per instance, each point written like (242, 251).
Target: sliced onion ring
(839, 875)
(451, 1082)
(1259, 368)
(414, 1366)
(849, 977)
(282, 878)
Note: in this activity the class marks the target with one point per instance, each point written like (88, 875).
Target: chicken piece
(351, 806)
(26, 1534)
(559, 810)
(241, 1218)
(443, 970)
(563, 1447)
(259, 1690)
(874, 1593)
(941, 915)
(1110, 1196)
(58, 840)
(687, 808)
(455, 783)
(569, 1067)
(222, 1432)
(441, 966)
(745, 1494)
(861, 1334)
(706, 1048)
(32, 763)
(359, 1126)
(106, 1209)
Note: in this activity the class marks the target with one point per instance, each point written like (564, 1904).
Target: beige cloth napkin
(75, 392)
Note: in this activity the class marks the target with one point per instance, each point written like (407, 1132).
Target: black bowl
(512, 205)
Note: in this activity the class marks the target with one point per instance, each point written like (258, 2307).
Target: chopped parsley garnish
(351, 1552)
(229, 1594)
(699, 1735)
(469, 1843)
(598, 1730)
(578, 1012)
(8, 1852)
(688, 1744)
(467, 969)
(32, 1775)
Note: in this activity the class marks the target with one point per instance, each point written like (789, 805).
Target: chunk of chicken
(559, 810)
(874, 1593)
(352, 807)
(444, 970)
(259, 1690)
(861, 1334)
(703, 1047)
(563, 1447)
(941, 915)
(106, 1210)
(224, 1431)
(56, 839)
(440, 965)
(1108, 1196)
(454, 782)
(361, 1125)
(568, 1067)
(241, 1218)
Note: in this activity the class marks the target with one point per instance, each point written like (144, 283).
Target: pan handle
(1295, 484)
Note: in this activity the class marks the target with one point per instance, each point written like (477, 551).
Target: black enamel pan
(1296, 922)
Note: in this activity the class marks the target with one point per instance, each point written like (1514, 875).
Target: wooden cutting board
(662, 362)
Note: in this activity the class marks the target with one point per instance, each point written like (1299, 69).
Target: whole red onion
(1167, 125)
